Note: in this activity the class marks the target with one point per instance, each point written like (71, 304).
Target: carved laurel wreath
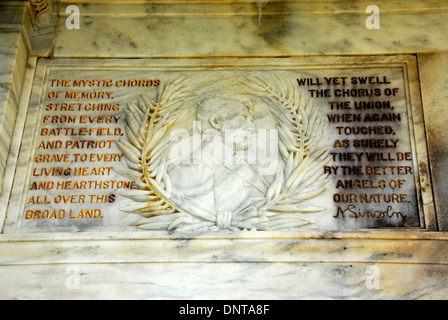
(301, 178)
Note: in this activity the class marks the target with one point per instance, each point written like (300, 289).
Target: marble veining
(88, 263)
(13, 55)
(170, 199)
(284, 28)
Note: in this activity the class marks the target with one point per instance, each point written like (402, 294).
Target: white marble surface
(263, 265)
(13, 55)
(201, 81)
(241, 281)
(185, 29)
(294, 265)
(309, 265)
(12, 157)
(433, 70)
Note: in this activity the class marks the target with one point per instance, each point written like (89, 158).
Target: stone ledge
(285, 247)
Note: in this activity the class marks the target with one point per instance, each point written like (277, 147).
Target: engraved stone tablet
(203, 146)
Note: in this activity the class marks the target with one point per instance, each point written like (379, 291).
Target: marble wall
(433, 73)
(278, 28)
(311, 265)
(14, 57)
(409, 264)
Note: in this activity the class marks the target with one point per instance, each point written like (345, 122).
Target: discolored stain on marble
(433, 70)
(307, 265)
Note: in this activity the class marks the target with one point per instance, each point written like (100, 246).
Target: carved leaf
(300, 131)
(147, 122)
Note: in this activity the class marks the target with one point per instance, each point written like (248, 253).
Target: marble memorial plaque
(203, 146)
